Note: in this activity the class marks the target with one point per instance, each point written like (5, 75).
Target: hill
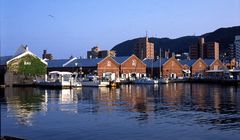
(224, 36)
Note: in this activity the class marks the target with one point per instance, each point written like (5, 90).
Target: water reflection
(23, 103)
(212, 105)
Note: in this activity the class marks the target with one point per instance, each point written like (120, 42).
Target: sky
(72, 27)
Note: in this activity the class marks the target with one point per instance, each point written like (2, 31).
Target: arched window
(109, 63)
(134, 62)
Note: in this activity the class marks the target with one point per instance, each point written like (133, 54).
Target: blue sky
(77, 25)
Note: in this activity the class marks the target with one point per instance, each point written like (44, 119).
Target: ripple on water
(138, 112)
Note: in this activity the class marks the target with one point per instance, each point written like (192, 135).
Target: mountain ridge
(224, 36)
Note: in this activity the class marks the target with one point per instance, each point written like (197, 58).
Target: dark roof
(84, 62)
(154, 63)
(120, 60)
(148, 62)
(208, 61)
(4, 59)
(56, 63)
(157, 63)
(188, 62)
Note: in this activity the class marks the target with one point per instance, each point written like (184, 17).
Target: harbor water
(171, 111)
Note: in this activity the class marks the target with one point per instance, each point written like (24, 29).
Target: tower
(144, 48)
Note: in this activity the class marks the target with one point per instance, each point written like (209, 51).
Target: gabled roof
(199, 59)
(154, 63)
(56, 63)
(120, 60)
(188, 62)
(4, 59)
(109, 58)
(157, 63)
(208, 61)
(148, 62)
(84, 62)
(26, 52)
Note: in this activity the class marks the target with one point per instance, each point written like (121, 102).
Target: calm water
(173, 111)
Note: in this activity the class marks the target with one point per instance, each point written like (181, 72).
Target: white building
(237, 47)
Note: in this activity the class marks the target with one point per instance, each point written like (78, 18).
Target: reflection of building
(173, 94)
(130, 98)
(20, 101)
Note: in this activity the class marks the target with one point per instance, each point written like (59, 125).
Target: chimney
(44, 54)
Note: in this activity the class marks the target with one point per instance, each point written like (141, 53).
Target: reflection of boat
(60, 79)
(92, 81)
(145, 80)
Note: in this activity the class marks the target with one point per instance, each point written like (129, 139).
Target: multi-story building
(144, 48)
(193, 51)
(105, 53)
(47, 55)
(230, 53)
(97, 53)
(93, 53)
(204, 50)
(167, 54)
(237, 47)
(211, 50)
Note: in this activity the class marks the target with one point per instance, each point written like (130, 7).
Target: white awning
(60, 73)
(215, 71)
(187, 71)
(234, 70)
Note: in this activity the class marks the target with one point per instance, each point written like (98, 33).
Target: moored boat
(92, 81)
(145, 80)
(60, 80)
(163, 80)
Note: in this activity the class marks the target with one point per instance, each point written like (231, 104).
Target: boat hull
(95, 84)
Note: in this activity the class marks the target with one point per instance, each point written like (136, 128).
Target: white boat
(145, 80)
(92, 81)
(95, 83)
(60, 79)
(163, 80)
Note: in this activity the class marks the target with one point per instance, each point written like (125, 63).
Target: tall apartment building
(97, 53)
(144, 48)
(237, 47)
(193, 52)
(202, 49)
(211, 50)
(230, 53)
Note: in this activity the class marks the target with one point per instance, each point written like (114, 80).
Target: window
(109, 63)
(134, 62)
